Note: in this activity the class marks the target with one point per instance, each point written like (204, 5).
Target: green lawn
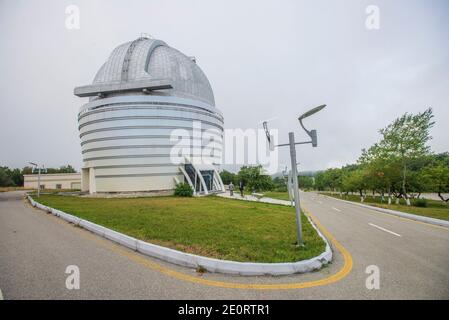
(210, 226)
(277, 195)
(434, 209)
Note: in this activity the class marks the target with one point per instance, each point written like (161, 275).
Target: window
(42, 186)
(58, 186)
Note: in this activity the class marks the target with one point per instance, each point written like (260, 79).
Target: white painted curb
(195, 261)
(433, 221)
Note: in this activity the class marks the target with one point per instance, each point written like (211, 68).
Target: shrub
(420, 203)
(183, 190)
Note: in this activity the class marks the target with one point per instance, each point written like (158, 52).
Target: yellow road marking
(342, 273)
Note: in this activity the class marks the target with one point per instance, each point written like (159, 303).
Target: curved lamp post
(292, 144)
(38, 177)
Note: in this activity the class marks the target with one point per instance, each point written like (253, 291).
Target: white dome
(144, 59)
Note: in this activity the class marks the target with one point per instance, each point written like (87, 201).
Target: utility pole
(291, 138)
(38, 178)
(292, 144)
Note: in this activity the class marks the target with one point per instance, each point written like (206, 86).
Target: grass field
(277, 195)
(210, 226)
(434, 209)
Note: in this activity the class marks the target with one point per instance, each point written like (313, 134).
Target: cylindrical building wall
(128, 140)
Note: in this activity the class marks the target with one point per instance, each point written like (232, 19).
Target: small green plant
(183, 190)
(422, 203)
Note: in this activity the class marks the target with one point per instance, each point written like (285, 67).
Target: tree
(442, 158)
(329, 179)
(416, 183)
(17, 177)
(305, 182)
(227, 177)
(406, 139)
(437, 179)
(63, 169)
(382, 171)
(320, 181)
(254, 178)
(67, 169)
(280, 184)
(334, 179)
(10, 177)
(5, 177)
(355, 181)
(27, 170)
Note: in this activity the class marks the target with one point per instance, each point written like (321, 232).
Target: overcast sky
(264, 59)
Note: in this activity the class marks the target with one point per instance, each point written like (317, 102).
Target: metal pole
(291, 137)
(290, 189)
(38, 182)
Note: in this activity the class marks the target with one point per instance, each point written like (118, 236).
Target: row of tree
(14, 177)
(400, 165)
(254, 179)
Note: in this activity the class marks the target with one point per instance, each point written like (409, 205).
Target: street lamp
(292, 144)
(38, 177)
(312, 133)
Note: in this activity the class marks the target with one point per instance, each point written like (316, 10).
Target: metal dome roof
(147, 60)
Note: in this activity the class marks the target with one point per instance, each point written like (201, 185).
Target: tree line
(399, 165)
(10, 177)
(254, 180)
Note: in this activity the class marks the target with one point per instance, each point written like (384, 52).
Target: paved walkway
(254, 198)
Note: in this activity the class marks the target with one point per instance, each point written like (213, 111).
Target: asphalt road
(36, 248)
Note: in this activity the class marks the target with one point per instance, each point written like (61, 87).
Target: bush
(422, 203)
(183, 190)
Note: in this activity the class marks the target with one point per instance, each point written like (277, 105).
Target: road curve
(36, 248)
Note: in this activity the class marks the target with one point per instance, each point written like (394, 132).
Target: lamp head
(312, 133)
(311, 112)
(269, 136)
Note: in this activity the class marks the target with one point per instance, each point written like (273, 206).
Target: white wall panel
(133, 154)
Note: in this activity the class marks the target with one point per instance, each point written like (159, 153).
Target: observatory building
(146, 101)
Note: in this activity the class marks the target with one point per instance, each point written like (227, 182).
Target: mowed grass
(435, 209)
(210, 226)
(277, 195)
